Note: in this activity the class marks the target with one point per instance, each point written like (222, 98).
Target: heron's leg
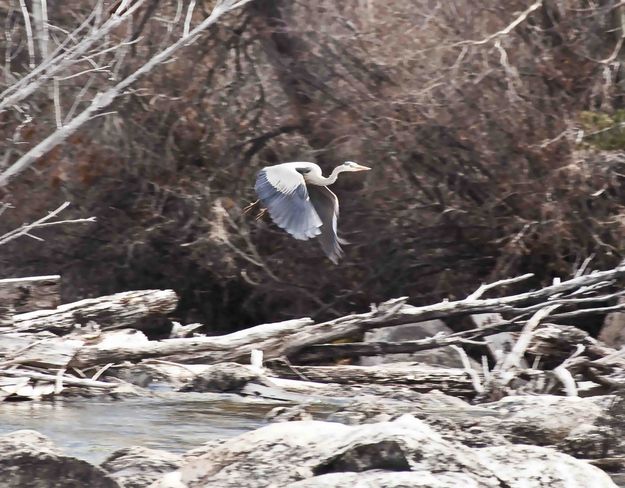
(250, 207)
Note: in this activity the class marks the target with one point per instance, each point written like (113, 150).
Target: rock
(441, 356)
(29, 459)
(405, 452)
(221, 378)
(385, 479)
(286, 414)
(543, 419)
(605, 437)
(537, 467)
(612, 332)
(138, 467)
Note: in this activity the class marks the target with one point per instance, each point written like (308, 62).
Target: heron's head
(351, 166)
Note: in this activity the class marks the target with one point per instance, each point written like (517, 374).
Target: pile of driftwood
(46, 347)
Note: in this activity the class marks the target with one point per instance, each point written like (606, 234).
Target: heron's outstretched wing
(327, 206)
(283, 191)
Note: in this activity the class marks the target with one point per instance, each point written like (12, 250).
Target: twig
(29, 34)
(101, 371)
(567, 380)
(509, 28)
(483, 288)
(514, 357)
(564, 375)
(25, 229)
(58, 383)
(475, 377)
(187, 20)
(51, 377)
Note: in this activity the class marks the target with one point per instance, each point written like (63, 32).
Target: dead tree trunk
(127, 309)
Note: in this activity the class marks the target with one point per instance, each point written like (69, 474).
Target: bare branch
(29, 34)
(509, 28)
(104, 99)
(25, 229)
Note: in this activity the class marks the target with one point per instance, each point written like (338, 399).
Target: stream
(91, 429)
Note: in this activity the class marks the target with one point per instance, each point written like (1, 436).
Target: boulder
(441, 356)
(612, 332)
(29, 459)
(222, 378)
(405, 452)
(544, 419)
(138, 467)
(538, 467)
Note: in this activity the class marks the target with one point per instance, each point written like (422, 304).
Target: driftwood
(303, 341)
(37, 350)
(269, 338)
(19, 295)
(70, 381)
(121, 310)
(419, 378)
(327, 385)
(290, 337)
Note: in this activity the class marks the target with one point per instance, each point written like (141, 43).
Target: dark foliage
(493, 155)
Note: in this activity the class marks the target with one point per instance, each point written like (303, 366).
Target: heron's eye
(303, 170)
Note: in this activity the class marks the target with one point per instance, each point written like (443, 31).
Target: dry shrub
(480, 168)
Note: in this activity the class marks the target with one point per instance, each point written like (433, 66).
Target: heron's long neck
(332, 178)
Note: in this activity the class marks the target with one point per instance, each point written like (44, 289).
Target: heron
(299, 201)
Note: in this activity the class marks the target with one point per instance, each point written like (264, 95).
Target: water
(92, 429)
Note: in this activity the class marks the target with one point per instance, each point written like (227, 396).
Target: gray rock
(613, 331)
(405, 452)
(221, 378)
(29, 459)
(286, 414)
(543, 419)
(138, 467)
(385, 479)
(538, 467)
(441, 356)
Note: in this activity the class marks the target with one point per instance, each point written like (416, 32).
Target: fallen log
(19, 295)
(290, 337)
(37, 350)
(30, 293)
(120, 310)
(209, 350)
(333, 352)
(419, 378)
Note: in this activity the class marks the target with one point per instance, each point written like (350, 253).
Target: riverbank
(398, 401)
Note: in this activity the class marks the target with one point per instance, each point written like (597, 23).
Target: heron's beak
(360, 167)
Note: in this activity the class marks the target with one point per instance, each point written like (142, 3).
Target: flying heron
(300, 202)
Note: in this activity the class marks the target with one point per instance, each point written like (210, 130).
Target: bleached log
(30, 293)
(419, 378)
(67, 380)
(288, 338)
(121, 310)
(32, 349)
(332, 352)
(270, 338)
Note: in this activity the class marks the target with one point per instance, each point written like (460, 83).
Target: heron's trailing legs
(251, 206)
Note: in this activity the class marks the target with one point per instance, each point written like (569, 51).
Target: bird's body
(299, 201)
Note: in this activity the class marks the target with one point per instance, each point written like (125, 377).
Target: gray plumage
(298, 201)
